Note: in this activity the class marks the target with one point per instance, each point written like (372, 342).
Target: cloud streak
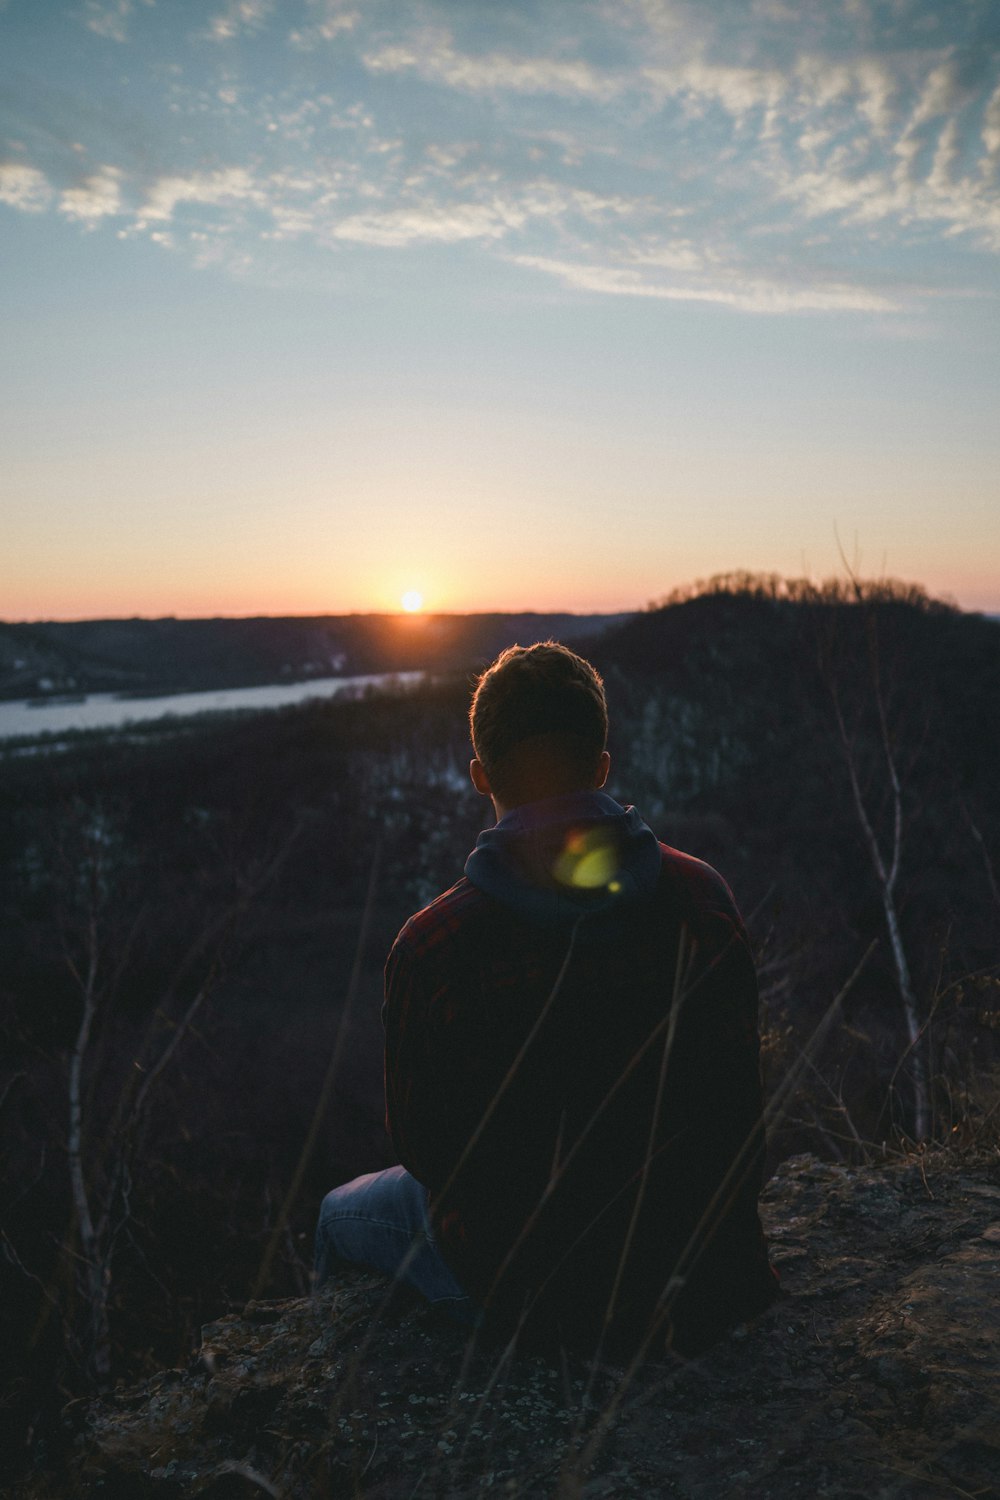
(436, 60)
(446, 225)
(754, 295)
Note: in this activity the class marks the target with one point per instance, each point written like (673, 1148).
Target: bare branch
(96, 1285)
(987, 861)
(328, 1082)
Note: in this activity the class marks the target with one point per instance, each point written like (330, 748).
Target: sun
(412, 601)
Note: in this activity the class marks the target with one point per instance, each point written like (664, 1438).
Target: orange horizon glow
(217, 610)
(194, 599)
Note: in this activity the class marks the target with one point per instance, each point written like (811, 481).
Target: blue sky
(549, 305)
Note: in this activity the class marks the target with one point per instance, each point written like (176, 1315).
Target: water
(108, 711)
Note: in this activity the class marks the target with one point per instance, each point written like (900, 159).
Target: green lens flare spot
(587, 863)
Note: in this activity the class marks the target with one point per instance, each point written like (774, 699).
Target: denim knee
(382, 1220)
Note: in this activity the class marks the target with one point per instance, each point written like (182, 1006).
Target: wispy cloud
(738, 89)
(24, 187)
(904, 194)
(435, 59)
(991, 130)
(97, 197)
(237, 17)
(108, 18)
(571, 146)
(328, 19)
(430, 224)
(753, 294)
(226, 186)
(491, 215)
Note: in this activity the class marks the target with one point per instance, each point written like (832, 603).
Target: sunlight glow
(412, 602)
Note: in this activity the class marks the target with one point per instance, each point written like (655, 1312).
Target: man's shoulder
(442, 920)
(702, 885)
(693, 889)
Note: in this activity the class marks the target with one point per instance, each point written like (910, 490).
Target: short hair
(545, 694)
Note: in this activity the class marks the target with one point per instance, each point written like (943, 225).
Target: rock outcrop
(875, 1377)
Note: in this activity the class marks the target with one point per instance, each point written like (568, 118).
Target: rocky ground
(876, 1377)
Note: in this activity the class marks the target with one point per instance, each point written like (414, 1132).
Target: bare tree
(884, 852)
(101, 1161)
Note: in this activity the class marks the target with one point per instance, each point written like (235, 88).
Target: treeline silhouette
(169, 655)
(182, 914)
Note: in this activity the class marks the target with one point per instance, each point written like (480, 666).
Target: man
(571, 1060)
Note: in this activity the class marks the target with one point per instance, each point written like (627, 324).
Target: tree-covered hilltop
(196, 919)
(833, 749)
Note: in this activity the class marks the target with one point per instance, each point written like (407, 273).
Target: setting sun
(412, 602)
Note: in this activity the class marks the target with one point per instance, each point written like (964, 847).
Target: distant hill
(170, 655)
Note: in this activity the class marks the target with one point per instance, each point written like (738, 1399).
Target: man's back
(572, 1071)
(571, 1062)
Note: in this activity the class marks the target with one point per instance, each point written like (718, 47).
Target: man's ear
(603, 767)
(480, 780)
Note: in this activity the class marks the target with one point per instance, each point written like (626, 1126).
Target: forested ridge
(141, 656)
(195, 922)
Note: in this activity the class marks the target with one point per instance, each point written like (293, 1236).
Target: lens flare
(588, 862)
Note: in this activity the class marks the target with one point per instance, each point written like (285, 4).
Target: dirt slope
(877, 1377)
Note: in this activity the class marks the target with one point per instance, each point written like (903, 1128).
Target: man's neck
(501, 809)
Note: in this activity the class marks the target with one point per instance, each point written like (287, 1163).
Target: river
(108, 711)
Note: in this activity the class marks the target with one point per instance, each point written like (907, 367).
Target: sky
(517, 304)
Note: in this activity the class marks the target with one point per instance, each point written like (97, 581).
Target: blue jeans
(382, 1220)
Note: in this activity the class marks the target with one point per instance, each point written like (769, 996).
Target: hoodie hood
(582, 855)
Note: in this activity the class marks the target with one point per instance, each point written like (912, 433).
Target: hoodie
(556, 861)
(571, 1069)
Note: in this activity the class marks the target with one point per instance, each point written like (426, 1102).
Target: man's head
(539, 725)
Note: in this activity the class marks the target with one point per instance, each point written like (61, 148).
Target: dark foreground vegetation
(190, 961)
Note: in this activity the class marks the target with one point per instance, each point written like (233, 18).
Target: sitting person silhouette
(571, 1060)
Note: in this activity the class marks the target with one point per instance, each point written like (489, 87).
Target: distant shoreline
(140, 658)
(31, 719)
